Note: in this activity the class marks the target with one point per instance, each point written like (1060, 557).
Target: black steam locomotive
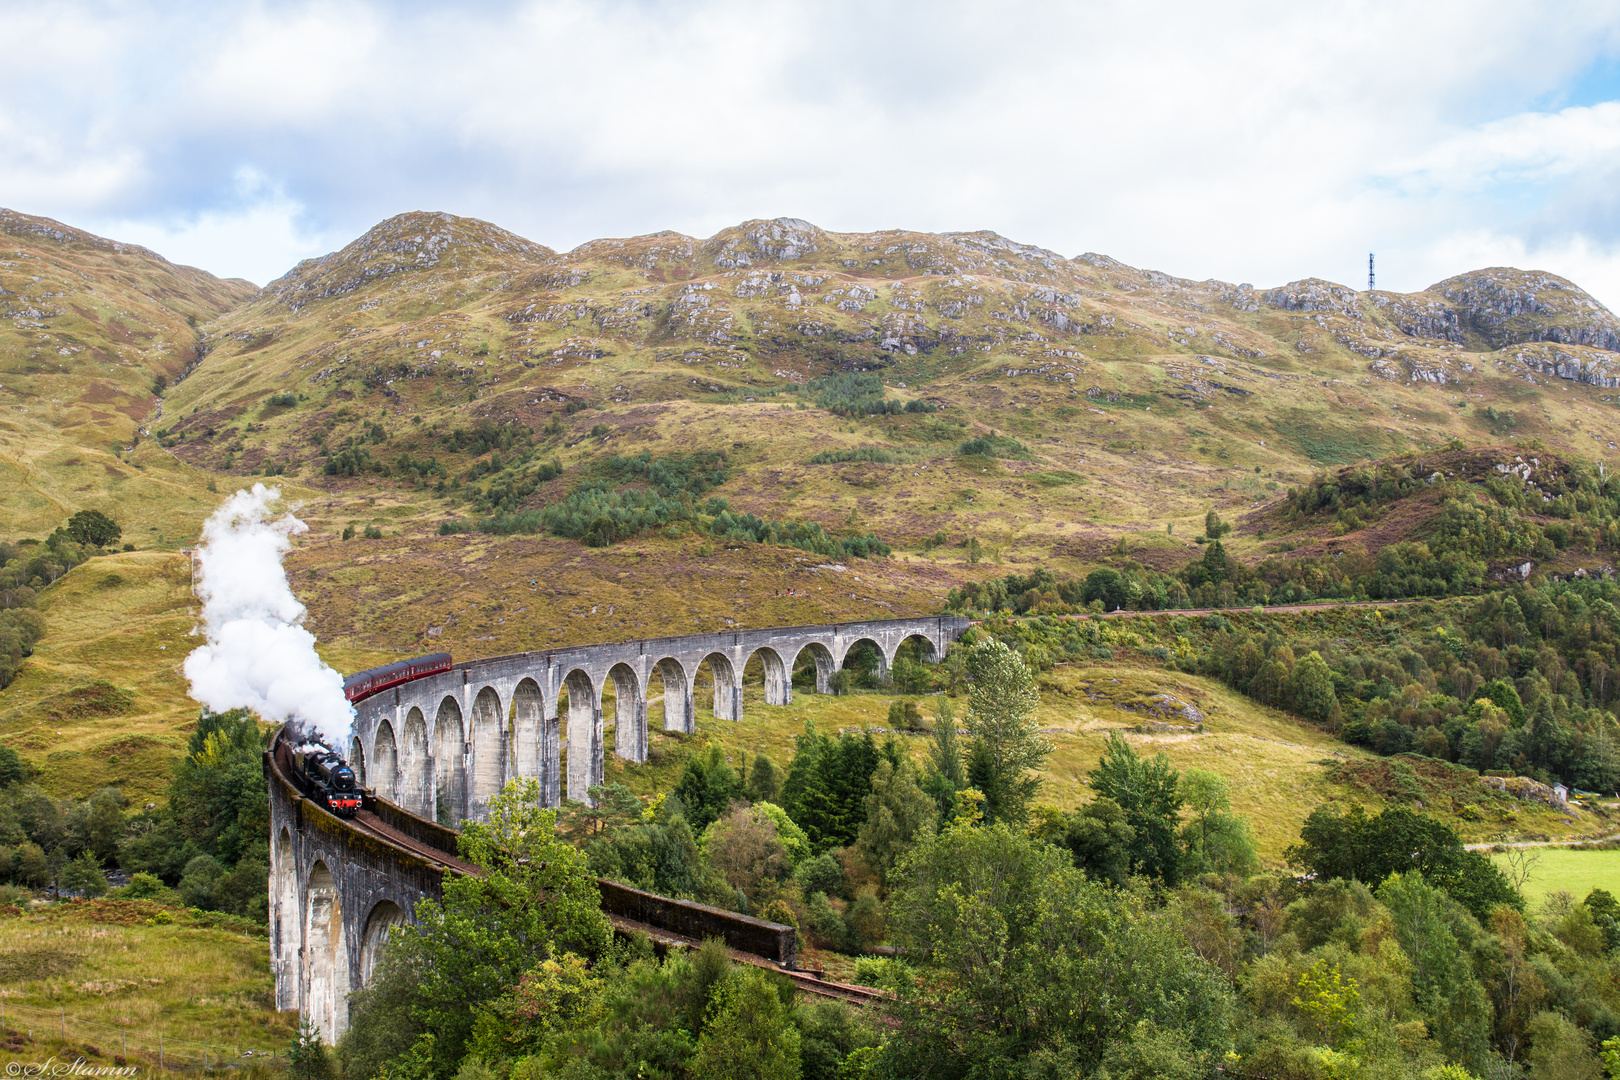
(326, 778)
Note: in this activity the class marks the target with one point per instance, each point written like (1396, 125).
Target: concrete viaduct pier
(435, 749)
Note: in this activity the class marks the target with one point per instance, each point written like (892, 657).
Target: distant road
(1281, 608)
(1286, 608)
(1541, 843)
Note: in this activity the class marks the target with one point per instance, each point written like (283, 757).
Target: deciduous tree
(1147, 790)
(1024, 957)
(535, 899)
(1007, 745)
(1214, 840)
(898, 814)
(93, 527)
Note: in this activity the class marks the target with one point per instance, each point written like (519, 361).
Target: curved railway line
(368, 822)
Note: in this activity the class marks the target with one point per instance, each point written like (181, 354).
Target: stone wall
(699, 921)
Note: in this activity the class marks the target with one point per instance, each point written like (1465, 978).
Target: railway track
(366, 821)
(855, 995)
(803, 981)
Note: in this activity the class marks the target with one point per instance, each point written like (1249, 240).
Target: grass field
(1556, 869)
(117, 973)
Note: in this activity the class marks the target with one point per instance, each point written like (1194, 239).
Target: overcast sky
(1250, 142)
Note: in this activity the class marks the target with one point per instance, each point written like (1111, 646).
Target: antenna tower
(1371, 280)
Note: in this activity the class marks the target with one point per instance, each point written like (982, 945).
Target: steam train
(321, 771)
(326, 778)
(363, 684)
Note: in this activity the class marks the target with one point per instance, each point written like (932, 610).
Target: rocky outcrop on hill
(1591, 366)
(408, 242)
(1507, 307)
(788, 276)
(1313, 294)
(785, 239)
(1522, 787)
(1487, 309)
(31, 228)
(653, 255)
(1418, 316)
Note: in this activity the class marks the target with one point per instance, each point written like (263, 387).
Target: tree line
(206, 847)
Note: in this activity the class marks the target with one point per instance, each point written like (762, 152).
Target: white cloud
(1259, 141)
(1530, 148)
(259, 238)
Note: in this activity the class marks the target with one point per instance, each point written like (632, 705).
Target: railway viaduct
(442, 745)
(434, 750)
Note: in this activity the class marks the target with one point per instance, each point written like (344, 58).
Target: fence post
(160, 1049)
(64, 1025)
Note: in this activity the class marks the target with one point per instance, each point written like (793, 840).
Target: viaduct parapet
(435, 749)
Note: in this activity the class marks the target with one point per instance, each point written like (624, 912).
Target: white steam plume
(259, 656)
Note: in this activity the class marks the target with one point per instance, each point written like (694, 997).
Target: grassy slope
(86, 326)
(133, 635)
(1270, 759)
(113, 972)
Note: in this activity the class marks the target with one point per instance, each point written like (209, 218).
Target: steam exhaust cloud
(258, 655)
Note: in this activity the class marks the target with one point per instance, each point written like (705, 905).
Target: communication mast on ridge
(1370, 279)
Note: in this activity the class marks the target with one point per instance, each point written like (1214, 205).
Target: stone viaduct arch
(336, 892)
(339, 887)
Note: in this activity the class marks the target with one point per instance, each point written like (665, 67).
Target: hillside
(978, 405)
(1127, 402)
(91, 332)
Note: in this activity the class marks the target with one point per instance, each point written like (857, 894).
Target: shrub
(876, 454)
(1000, 446)
(486, 435)
(905, 716)
(822, 874)
(858, 394)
